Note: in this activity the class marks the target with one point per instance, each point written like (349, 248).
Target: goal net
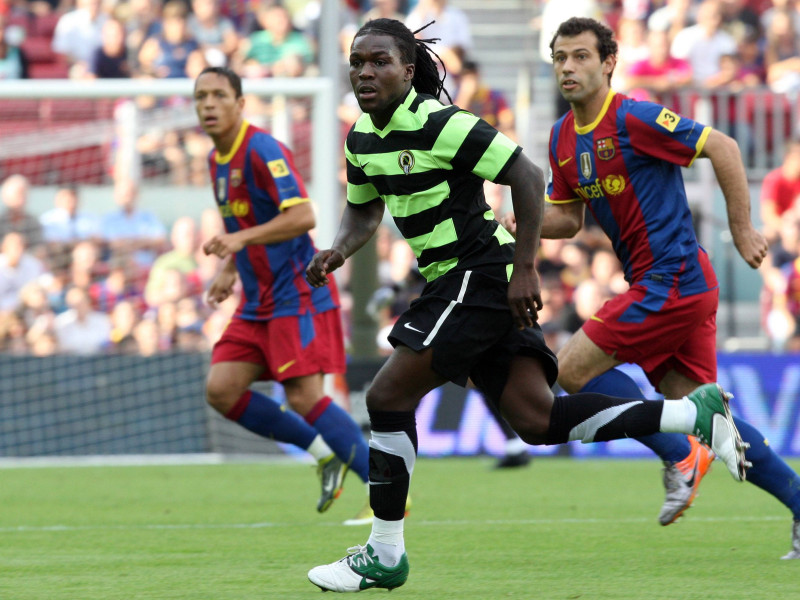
(142, 392)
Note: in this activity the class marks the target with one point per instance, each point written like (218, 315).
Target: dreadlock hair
(229, 74)
(412, 50)
(606, 44)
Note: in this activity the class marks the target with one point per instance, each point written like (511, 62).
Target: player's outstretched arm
(730, 172)
(358, 224)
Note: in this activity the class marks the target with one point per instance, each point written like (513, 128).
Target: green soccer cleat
(331, 471)
(359, 570)
(714, 427)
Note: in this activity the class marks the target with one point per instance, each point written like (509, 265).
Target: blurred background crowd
(122, 280)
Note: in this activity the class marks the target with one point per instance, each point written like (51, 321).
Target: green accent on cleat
(714, 427)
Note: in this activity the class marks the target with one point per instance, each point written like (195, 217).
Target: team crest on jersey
(222, 190)
(614, 184)
(406, 161)
(586, 165)
(668, 119)
(236, 177)
(605, 148)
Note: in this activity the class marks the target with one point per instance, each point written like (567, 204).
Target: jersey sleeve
(558, 190)
(278, 164)
(359, 188)
(469, 143)
(657, 131)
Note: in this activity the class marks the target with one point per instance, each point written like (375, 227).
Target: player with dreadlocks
(476, 317)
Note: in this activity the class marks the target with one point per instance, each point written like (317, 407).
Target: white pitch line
(446, 523)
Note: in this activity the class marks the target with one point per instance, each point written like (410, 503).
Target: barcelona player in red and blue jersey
(622, 159)
(283, 330)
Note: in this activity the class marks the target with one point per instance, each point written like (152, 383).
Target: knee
(570, 378)
(531, 420)
(222, 397)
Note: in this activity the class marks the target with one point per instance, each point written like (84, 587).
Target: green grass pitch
(560, 529)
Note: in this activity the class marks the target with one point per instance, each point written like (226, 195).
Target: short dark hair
(606, 44)
(229, 74)
(412, 50)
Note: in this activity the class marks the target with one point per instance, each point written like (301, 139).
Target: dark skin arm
(526, 181)
(358, 224)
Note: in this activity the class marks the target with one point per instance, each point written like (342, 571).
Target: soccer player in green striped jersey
(426, 162)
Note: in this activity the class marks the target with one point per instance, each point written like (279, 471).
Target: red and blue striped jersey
(253, 183)
(626, 167)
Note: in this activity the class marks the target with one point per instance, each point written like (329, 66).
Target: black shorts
(465, 319)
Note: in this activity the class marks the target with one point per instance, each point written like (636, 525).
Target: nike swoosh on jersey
(408, 326)
(561, 163)
(283, 367)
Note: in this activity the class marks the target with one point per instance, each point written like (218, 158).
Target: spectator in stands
(132, 232)
(78, 33)
(216, 33)
(110, 59)
(166, 54)
(13, 63)
(659, 75)
(145, 333)
(278, 50)
(85, 267)
(64, 225)
(555, 12)
(672, 17)
(784, 251)
(633, 47)
(14, 193)
(17, 267)
(41, 340)
(142, 21)
(81, 330)
(383, 9)
(732, 76)
(606, 269)
(451, 24)
(705, 43)
(34, 304)
(181, 258)
(789, 6)
(120, 285)
(782, 54)
(779, 190)
(12, 334)
(124, 318)
(473, 94)
(739, 19)
(783, 318)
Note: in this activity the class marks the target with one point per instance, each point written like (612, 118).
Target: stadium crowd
(125, 282)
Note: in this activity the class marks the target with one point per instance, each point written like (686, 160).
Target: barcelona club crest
(605, 148)
(236, 177)
(406, 161)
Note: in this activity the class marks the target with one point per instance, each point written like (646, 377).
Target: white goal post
(325, 147)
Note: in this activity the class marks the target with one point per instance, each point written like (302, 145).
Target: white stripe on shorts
(449, 309)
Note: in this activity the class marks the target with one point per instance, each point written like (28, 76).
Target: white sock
(678, 416)
(319, 449)
(515, 446)
(387, 541)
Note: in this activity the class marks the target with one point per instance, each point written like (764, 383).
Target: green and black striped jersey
(428, 165)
